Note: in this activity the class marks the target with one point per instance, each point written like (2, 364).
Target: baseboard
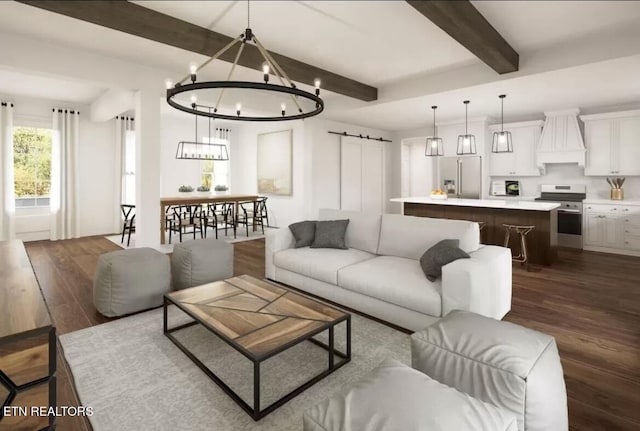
(612, 250)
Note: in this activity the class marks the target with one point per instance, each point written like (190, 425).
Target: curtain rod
(71, 111)
(359, 136)
(5, 104)
(120, 117)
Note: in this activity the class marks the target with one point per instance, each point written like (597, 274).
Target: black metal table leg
(331, 348)
(349, 337)
(256, 390)
(165, 315)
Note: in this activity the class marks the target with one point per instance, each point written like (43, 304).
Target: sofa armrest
(276, 240)
(481, 284)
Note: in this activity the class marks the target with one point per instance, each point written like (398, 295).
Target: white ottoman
(395, 397)
(127, 281)
(504, 364)
(201, 261)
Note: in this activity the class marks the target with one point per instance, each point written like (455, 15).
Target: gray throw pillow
(330, 234)
(444, 252)
(304, 232)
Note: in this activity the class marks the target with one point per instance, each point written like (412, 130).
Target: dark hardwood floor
(589, 302)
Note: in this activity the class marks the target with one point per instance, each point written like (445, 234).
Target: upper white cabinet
(613, 143)
(522, 161)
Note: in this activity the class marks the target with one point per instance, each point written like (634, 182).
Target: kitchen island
(542, 242)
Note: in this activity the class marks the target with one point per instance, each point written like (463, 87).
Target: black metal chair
(262, 209)
(210, 214)
(227, 217)
(187, 216)
(129, 224)
(252, 213)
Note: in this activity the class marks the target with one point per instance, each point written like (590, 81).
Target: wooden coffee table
(259, 319)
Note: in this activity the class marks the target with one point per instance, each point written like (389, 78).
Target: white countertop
(611, 202)
(483, 203)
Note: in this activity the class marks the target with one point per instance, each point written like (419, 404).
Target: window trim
(37, 123)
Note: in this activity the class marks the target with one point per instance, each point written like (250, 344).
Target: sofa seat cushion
(319, 263)
(395, 280)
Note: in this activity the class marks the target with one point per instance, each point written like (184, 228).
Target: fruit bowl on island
(438, 194)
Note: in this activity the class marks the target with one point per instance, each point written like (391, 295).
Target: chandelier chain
(248, 13)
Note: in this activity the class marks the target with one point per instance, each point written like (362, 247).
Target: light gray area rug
(135, 378)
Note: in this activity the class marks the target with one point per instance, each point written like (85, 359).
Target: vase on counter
(617, 192)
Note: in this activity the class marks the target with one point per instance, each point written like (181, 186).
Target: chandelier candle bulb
(238, 108)
(283, 108)
(265, 71)
(168, 83)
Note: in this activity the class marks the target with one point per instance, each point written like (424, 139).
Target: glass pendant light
(466, 142)
(434, 144)
(502, 140)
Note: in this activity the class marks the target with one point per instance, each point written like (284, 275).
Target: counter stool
(522, 231)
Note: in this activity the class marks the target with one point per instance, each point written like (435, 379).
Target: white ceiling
(604, 84)
(373, 42)
(380, 43)
(43, 87)
(528, 25)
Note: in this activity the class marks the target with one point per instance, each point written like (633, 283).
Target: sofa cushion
(406, 236)
(330, 234)
(304, 232)
(395, 280)
(319, 263)
(363, 231)
(441, 254)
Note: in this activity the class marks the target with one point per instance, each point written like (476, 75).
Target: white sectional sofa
(380, 273)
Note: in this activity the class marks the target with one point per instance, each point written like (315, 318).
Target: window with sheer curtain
(215, 173)
(129, 171)
(32, 166)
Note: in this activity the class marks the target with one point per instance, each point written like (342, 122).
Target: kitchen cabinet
(613, 143)
(612, 227)
(522, 161)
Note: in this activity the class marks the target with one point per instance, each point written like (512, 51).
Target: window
(215, 173)
(129, 171)
(32, 166)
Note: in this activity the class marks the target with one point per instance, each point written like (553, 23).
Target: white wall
(283, 210)
(96, 166)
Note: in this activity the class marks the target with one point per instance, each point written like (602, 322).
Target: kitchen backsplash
(597, 187)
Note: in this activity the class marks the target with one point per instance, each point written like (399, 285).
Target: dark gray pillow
(444, 252)
(304, 232)
(330, 234)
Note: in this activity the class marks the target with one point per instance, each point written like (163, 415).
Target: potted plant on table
(204, 190)
(186, 189)
(221, 188)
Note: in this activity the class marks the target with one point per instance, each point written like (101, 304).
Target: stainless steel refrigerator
(461, 177)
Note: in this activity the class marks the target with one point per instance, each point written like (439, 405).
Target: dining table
(198, 199)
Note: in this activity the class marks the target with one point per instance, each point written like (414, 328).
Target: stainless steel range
(570, 198)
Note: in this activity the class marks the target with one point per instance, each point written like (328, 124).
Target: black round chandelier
(286, 90)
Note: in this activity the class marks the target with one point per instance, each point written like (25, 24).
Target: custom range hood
(561, 140)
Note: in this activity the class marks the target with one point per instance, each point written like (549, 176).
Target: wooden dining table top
(212, 197)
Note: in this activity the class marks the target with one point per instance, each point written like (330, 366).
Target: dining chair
(128, 226)
(210, 218)
(185, 217)
(262, 209)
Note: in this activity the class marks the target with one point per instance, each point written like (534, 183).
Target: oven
(570, 198)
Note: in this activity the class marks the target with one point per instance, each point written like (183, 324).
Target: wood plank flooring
(589, 301)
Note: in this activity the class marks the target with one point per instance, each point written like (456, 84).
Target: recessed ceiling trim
(149, 24)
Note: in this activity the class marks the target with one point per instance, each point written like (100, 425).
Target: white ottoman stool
(504, 364)
(201, 261)
(395, 397)
(127, 281)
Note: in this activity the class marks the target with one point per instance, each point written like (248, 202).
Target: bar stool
(522, 257)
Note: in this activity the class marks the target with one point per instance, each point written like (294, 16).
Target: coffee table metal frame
(255, 412)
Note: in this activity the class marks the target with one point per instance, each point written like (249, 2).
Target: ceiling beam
(149, 24)
(462, 21)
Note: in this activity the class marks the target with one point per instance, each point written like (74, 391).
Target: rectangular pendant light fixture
(434, 146)
(202, 151)
(466, 142)
(502, 140)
